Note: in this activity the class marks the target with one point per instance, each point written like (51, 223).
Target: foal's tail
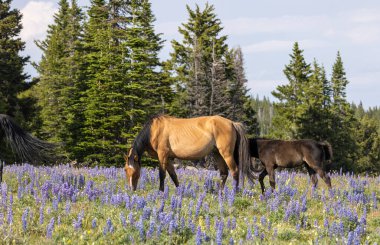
(241, 153)
(27, 147)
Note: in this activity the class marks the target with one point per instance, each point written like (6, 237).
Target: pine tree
(290, 96)
(12, 76)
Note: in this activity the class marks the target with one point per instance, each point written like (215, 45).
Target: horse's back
(189, 138)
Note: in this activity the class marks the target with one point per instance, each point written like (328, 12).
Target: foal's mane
(142, 139)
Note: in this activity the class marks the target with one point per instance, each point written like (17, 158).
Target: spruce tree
(12, 76)
(343, 120)
(59, 73)
(123, 76)
(195, 60)
(291, 97)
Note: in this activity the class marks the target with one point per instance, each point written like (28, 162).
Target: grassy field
(64, 205)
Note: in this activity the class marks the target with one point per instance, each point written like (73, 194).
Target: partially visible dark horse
(289, 154)
(22, 144)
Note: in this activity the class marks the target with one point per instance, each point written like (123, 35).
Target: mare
(165, 137)
(289, 154)
(22, 144)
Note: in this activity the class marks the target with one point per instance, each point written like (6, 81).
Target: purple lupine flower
(198, 239)
(24, 218)
(10, 214)
(231, 242)
(256, 232)
(50, 228)
(55, 204)
(131, 219)
(219, 233)
(150, 231)
(123, 219)
(263, 220)
(67, 207)
(158, 231)
(207, 222)
(93, 223)
(249, 233)
(77, 223)
(298, 227)
(41, 214)
(146, 213)
(326, 223)
(140, 227)
(59, 220)
(108, 228)
(262, 236)
(199, 203)
(233, 223)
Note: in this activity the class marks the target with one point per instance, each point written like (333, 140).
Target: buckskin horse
(165, 137)
(22, 144)
(289, 154)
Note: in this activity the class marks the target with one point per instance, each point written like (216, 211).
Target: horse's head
(132, 168)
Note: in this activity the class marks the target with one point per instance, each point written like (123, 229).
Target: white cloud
(282, 45)
(37, 15)
(282, 24)
(364, 34)
(363, 15)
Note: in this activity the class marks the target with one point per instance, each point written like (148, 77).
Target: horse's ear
(125, 157)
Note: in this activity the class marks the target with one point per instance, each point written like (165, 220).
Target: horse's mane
(143, 137)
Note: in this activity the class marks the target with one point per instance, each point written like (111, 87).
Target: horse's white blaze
(130, 181)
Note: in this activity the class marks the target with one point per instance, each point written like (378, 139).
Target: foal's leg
(261, 179)
(223, 169)
(162, 174)
(313, 175)
(272, 182)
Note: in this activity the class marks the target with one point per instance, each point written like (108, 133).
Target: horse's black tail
(241, 153)
(27, 147)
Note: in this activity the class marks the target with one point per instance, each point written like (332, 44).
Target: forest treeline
(100, 78)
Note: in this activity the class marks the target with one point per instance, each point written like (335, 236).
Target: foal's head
(132, 168)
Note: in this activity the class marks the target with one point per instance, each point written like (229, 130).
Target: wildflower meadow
(66, 205)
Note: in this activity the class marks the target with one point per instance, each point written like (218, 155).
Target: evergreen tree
(315, 122)
(12, 76)
(343, 120)
(59, 72)
(291, 97)
(368, 141)
(197, 60)
(124, 79)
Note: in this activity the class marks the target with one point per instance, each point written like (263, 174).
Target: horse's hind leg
(261, 179)
(223, 169)
(313, 175)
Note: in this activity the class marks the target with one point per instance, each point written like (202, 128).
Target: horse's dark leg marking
(261, 179)
(223, 169)
(313, 175)
(172, 173)
(162, 174)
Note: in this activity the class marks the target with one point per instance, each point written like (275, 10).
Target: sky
(266, 32)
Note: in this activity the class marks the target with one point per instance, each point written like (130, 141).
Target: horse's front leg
(162, 175)
(272, 182)
(171, 170)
